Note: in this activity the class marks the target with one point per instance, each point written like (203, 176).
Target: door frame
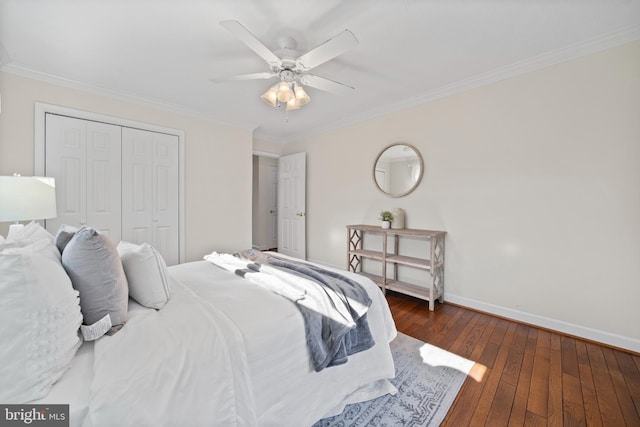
(41, 109)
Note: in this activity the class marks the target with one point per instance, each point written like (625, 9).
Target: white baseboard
(584, 332)
(549, 323)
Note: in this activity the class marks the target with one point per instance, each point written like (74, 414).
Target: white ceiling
(410, 51)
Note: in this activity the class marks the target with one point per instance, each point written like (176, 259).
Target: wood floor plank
(535, 420)
(463, 335)
(604, 388)
(534, 377)
(474, 337)
(493, 379)
(465, 403)
(631, 376)
(519, 409)
(501, 406)
(513, 364)
(622, 392)
(589, 396)
(572, 409)
(539, 390)
(555, 407)
(569, 357)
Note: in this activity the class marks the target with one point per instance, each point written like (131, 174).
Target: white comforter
(222, 352)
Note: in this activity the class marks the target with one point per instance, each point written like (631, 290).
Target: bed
(221, 351)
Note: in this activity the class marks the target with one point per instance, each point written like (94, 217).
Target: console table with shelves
(432, 262)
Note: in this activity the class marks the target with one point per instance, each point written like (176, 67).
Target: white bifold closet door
(150, 190)
(84, 157)
(120, 180)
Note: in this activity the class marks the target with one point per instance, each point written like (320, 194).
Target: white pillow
(40, 316)
(28, 234)
(93, 264)
(146, 273)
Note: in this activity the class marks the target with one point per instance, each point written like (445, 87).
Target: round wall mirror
(398, 169)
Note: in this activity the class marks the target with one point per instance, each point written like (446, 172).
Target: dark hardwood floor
(533, 377)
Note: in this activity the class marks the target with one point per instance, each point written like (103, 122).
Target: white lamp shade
(24, 198)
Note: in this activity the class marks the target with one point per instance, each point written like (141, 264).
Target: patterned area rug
(428, 380)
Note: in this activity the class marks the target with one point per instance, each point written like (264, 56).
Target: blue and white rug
(428, 380)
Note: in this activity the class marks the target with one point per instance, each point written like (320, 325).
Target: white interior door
(84, 158)
(150, 191)
(292, 205)
(104, 178)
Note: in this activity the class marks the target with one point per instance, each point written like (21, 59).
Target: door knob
(300, 213)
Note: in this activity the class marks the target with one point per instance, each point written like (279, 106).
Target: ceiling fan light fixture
(271, 96)
(284, 92)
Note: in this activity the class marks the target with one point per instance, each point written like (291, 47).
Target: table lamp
(25, 198)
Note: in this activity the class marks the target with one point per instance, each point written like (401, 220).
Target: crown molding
(607, 41)
(26, 72)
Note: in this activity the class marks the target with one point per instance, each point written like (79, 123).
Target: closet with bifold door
(120, 180)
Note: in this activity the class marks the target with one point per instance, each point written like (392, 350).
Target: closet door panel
(150, 191)
(165, 190)
(66, 153)
(137, 176)
(84, 158)
(104, 179)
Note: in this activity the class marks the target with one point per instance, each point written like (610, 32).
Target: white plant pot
(386, 224)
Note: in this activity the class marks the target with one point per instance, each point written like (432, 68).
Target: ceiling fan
(291, 68)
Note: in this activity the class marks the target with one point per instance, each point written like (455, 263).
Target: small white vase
(398, 218)
(386, 224)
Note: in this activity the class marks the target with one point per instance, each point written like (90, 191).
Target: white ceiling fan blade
(328, 50)
(252, 76)
(326, 84)
(238, 30)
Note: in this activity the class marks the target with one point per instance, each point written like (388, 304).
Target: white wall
(536, 179)
(218, 197)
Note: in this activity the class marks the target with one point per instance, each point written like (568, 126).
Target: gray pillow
(93, 264)
(64, 235)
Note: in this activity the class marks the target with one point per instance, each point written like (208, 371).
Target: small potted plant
(387, 218)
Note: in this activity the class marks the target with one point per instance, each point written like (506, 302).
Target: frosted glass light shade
(271, 96)
(284, 92)
(301, 96)
(24, 198)
(293, 104)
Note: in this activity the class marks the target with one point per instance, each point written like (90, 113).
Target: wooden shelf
(433, 263)
(368, 254)
(411, 261)
(410, 289)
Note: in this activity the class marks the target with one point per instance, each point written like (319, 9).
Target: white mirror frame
(377, 170)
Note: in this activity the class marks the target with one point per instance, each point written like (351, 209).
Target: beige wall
(536, 180)
(218, 197)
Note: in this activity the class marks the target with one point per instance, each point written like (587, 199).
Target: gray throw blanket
(330, 338)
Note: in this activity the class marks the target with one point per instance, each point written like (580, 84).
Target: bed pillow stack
(39, 313)
(93, 264)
